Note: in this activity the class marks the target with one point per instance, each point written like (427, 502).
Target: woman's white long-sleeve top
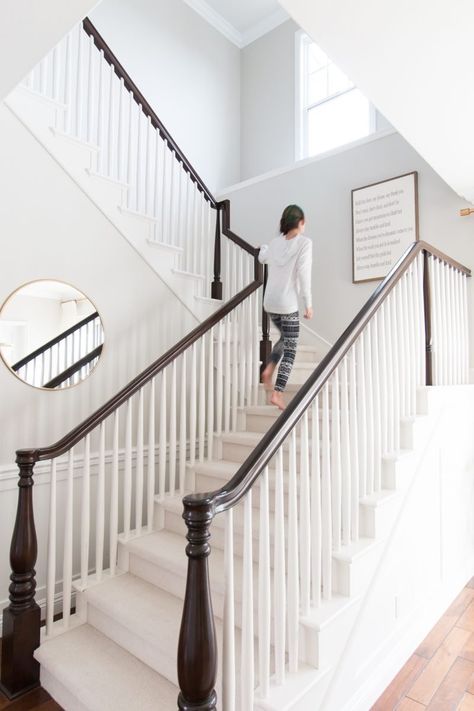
(289, 273)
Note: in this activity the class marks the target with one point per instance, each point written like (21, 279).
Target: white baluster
(228, 644)
(326, 508)
(202, 400)
(119, 157)
(305, 533)
(114, 495)
(139, 467)
(293, 568)
(138, 164)
(210, 397)
(182, 427)
(162, 435)
(345, 455)
(256, 346)
(56, 73)
(51, 575)
(171, 200)
(100, 112)
(68, 541)
(316, 532)
(396, 368)
(279, 575)
(164, 236)
(247, 664)
(156, 186)
(465, 329)
(151, 457)
(264, 589)
(242, 353)
(193, 407)
(79, 86)
(172, 436)
(127, 479)
(377, 408)
(100, 506)
(369, 391)
(68, 87)
(147, 165)
(235, 368)
(354, 444)
(85, 513)
(219, 378)
(227, 372)
(362, 415)
(336, 463)
(90, 90)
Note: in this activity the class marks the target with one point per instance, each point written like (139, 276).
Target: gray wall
(323, 187)
(188, 72)
(268, 102)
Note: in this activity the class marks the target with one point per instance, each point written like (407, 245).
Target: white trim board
(240, 39)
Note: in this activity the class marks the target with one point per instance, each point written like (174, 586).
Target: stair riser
(236, 452)
(262, 423)
(377, 521)
(350, 578)
(160, 658)
(60, 693)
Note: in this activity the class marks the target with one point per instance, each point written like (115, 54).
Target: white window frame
(302, 108)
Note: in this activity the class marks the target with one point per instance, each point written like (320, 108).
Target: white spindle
(51, 574)
(293, 567)
(264, 588)
(336, 477)
(362, 415)
(138, 164)
(127, 479)
(316, 531)
(130, 150)
(305, 518)
(164, 236)
(210, 397)
(369, 391)
(193, 407)
(256, 346)
(202, 400)
(326, 517)
(85, 513)
(279, 575)
(151, 457)
(182, 427)
(247, 656)
(219, 377)
(172, 436)
(119, 156)
(114, 496)
(90, 90)
(235, 369)
(227, 371)
(68, 541)
(162, 454)
(56, 73)
(149, 130)
(78, 97)
(354, 445)
(68, 87)
(345, 456)
(139, 467)
(377, 406)
(100, 506)
(228, 643)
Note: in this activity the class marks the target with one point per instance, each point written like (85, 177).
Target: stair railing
(98, 103)
(61, 353)
(136, 447)
(336, 441)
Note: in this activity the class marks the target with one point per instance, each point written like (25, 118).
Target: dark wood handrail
(54, 341)
(130, 85)
(89, 424)
(243, 480)
(74, 368)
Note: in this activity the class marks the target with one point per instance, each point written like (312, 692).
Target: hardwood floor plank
(407, 704)
(453, 687)
(467, 703)
(437, 635)
(470, 583)
(400, 685)
(466, 621)
(428, 682)
(467, 652)
(461, 603)
(29, 702)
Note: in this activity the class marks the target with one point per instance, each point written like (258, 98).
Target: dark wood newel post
(427, 312)
(21, 619)
(216, 286)
(197, 648)
(265, 343)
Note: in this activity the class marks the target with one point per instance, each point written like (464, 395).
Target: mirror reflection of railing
(66, 359)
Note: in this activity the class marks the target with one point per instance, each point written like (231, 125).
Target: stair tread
(156, 620)
(103, 675)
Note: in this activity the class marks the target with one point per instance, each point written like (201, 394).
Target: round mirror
(51, 335)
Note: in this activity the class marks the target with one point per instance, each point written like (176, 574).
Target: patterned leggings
(289, 327)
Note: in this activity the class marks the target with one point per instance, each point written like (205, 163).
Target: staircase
(284, 547)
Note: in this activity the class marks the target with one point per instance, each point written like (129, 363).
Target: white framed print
(384, 224)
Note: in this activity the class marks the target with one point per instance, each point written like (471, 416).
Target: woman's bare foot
(277, 399)
(267, 376)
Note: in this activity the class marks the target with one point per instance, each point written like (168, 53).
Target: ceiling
(414, 61)
(241, 21)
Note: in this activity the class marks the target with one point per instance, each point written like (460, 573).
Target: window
(332, 111)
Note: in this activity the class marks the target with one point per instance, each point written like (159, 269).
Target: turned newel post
(216, 286)
(427, 313)
(265, 343)
(197, 648)
(21, 619)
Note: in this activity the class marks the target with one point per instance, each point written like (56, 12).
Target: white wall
(51, 230)
(269, 102)
(29, 29)
(188, 72)
(323, 188)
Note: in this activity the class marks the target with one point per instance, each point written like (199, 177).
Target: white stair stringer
(137, 614)
(41, 116)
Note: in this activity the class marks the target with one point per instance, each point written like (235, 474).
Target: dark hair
(291, 218)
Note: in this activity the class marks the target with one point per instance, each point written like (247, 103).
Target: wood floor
(37, 700)
(440, 675)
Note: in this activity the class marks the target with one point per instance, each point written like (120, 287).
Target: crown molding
(240, 39)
